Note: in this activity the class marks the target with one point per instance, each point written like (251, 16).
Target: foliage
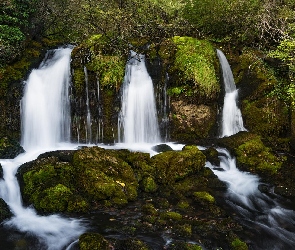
(14, 24)
(285, 51)
(252, 22)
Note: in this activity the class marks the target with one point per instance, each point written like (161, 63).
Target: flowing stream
(232, 121)
(45, 125)
(273, 226)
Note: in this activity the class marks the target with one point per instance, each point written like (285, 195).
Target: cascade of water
(273, 224)
(45, 105)
(45, 125)
(88, 117)
(232, 121)
(138, 116)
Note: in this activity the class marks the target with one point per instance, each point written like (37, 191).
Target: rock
(162, 148)
(171, 166)
(9, 148)
(93, 241)
(131, 244)
(5, 212)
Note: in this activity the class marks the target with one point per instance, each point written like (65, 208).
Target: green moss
(237, 244)
(149, 185)
(204, 196)
(93, 241)
(79, 80)
(174, 216)
(195, 62)
(259, 157)
(109, 69)
(175, 165)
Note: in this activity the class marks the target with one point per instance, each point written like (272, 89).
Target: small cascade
(45, 107)
(99, 127)
(138, 116)
(232, 121)
(273, 224)
(88, 116)
(45, 126)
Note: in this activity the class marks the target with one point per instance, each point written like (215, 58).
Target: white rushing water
(138, 116)
(45, 126)
(232, 121)
(273, 223)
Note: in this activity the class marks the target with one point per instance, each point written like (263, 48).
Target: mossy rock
(180, 245)
(131, 244)
(103, 175)
(5, 212)
(237, 244)
(172, 166)
(252, 155)
(204, 197)
(93, 241)
(9, 148)
(195, 65)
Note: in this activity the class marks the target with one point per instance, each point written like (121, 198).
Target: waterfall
(232, 121)
(273, 224)
(45, 107)
(138, 117)
(45, 126)
(88, 117)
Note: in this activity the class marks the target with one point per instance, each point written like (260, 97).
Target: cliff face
(185, 77)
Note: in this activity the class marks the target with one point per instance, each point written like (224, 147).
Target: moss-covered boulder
(75, 181)
(93, 241)
(9, 148)
(103, 175)
(172, 166)
(195, 65)
(5, 212)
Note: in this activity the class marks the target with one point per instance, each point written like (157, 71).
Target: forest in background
(267, 25)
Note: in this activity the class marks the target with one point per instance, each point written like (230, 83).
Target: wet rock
(9, 148)
(93, 241)
(5, 212)
(212, 156)
(172, 166)
(131, 244)
(162, 148)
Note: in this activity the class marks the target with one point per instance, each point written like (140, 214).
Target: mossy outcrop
(171, 191)
(9, 148)
(264, 100)
(5, 212)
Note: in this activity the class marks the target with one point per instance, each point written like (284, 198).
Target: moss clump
(258, 157)
(131, 244)
(179, 245)
(174, 216)
(237, 244)
(149, 185)
(103, 175)
(109, 69)
(175, 165)
(93, 241)
(9, 148)
(195, 62)
(205, 196)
